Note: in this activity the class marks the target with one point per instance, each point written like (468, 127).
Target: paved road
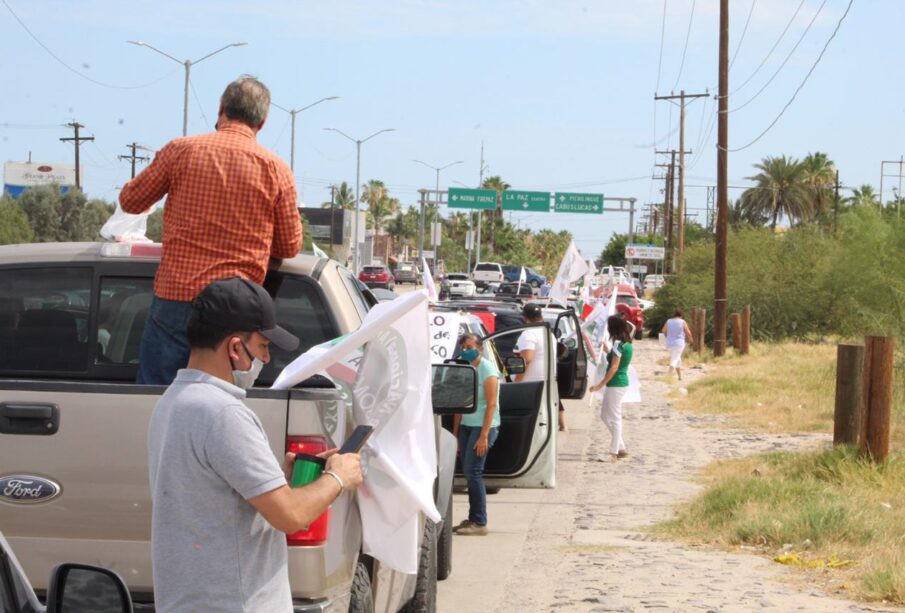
(582, 547)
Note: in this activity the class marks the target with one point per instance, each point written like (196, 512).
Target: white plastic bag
(123, 227)
(662, 338)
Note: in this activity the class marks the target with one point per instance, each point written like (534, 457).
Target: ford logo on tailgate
(27, 489)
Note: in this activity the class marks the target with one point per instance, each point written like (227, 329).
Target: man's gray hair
(247, 100)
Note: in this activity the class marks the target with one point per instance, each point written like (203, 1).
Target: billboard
(19, 176)
(325, 226)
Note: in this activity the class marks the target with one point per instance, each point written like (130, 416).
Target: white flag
(522, 276)
(572, 268)
(318, 251)
(428, 281)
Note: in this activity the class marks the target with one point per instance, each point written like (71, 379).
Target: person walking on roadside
(477, 433)
(676, 331)
(230, 210)
(615, 382)
(221, 506)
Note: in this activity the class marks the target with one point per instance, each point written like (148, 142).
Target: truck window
(44, 320)
(361, 305)
(302, 312)
(122, 312)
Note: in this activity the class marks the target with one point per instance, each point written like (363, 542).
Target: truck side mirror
(515, 365)
(77, 587)
(454, 389)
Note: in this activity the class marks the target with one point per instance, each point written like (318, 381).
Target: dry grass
(786, 387)
(826, 505)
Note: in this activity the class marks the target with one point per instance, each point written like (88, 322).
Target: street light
(470, 220)
(358, 143)
(437, 192)
(188, 67)
(293, 113)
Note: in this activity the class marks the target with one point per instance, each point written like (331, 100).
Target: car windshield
(457, 276)
(372, 269)
(629, 300)
(488, 267)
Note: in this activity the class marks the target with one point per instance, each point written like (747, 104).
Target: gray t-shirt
(208, 454)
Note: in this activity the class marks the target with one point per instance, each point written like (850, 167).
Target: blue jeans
(473, 467)
(164, 346)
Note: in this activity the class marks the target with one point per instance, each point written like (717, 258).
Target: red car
(627, 302)
(377, 276)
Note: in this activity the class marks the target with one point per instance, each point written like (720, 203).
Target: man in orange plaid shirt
(230, 209)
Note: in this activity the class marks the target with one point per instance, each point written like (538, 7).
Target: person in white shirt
(531, 347)
(676, 331)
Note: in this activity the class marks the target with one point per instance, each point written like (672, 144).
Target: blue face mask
(470, 354)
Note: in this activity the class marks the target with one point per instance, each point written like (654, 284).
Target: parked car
(457, 284)
(487, 272)
(532, 277)
(522, 290)
(56, 301)
(407, 272)
(377, 276)
(72, 587)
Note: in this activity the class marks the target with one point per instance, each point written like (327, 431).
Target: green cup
(307, 468)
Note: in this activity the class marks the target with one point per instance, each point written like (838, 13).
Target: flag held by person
(428, 280)
(571, 268)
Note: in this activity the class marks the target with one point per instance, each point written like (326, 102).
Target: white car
(487, 272)
(458, 284)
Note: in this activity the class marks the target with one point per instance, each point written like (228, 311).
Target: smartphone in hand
(357, 439)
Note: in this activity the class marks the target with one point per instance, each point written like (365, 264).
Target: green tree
(42, 207)
(820, 175)
(14, 228)
(495, 217)
(92, 219)
(379, 211)
(155, 226)
(741, 216)
(344, 198)
(781, 190)
(864, 196)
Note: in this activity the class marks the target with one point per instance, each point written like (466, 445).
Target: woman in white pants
(615, 382)
(676, 331)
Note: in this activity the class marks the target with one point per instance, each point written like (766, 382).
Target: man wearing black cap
(221, 503)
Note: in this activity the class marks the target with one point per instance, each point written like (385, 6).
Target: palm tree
(343, 198)
(380, 210)
(864, 196)
(495, 182)
(781, 190)
(820, 174)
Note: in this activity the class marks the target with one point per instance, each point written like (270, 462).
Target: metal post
(185, 101)
(631, 231)
(357, 203)
(469, 242)
(421, 225)
(292, 145)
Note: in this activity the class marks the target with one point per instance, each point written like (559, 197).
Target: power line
(70, 68)
(744, 31)
(660, 63)
(200, 106)
(772, 49)
(784, 62)
(685, 50)
(32, 126)
(804, 81)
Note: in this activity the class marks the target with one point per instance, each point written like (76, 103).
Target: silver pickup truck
(73, 425)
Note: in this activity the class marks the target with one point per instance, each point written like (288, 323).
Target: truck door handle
(29, 418)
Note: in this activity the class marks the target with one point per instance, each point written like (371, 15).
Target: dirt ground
(583, 546)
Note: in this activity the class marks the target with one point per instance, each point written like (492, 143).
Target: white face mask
(246, 378)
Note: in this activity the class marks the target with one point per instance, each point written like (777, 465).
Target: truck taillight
(316, 534)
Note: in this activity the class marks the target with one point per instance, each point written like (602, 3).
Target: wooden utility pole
(77, 140)
(849, 376)
(737, 332)
(746, 329)
(876, 405)
(680, 221)
(722, 189)
(669, 216)
(133, 157)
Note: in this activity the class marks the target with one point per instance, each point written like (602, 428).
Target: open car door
(572, 364)
(524, 454)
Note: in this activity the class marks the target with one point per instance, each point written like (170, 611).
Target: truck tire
(362, 599)
(425, 598)
(445, 544)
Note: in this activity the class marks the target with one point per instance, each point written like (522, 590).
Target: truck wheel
(445, 544)
(639, 334)
(362, 600)
(425, 598)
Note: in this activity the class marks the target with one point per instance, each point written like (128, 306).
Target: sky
(559, 92)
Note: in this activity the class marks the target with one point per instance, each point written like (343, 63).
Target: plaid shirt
(231, 206)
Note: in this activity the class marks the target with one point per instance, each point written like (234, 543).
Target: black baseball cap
(531, 311)
(240, 305)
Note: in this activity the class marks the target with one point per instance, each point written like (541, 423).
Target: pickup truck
(73, 425)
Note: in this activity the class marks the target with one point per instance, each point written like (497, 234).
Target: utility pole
(722, 189)
(669, 213)
(332, 212)
(77, 140)
(898, 193)
(836, 206)
(682, 97)
(133, 157)
(480, 213)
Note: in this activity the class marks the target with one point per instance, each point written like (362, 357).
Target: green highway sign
(462, 198)
(514, 200)
(577, 203)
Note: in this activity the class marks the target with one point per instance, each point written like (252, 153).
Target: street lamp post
(187, 64)
(293, 113)
(437, 169)
(358, 143)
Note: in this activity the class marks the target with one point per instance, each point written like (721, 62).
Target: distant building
(19, 176)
